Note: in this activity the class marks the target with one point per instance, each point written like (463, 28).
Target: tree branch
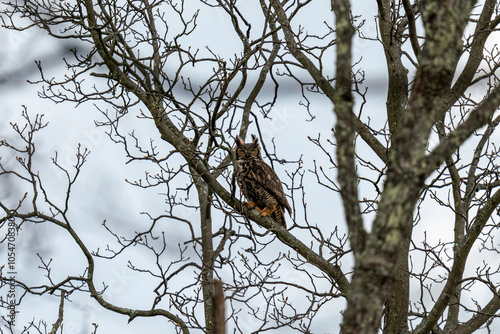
(482, 217)
(478, 117)
(346, 125)
(59, 320)
(320, 80)
(479, 319)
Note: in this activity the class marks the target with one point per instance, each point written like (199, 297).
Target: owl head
(248, 151)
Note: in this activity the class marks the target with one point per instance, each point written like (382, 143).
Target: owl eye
(254, 151)
(239, 151)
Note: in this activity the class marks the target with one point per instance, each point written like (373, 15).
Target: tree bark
(207, 270)
(374, 270)
(396, 305)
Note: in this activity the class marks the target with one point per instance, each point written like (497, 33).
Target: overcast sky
(102, 193)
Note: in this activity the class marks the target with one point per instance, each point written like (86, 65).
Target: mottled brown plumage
(259, 183)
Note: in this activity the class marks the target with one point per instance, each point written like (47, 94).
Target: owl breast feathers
(258, 182)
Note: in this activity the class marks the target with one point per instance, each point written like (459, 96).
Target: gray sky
(102, 193)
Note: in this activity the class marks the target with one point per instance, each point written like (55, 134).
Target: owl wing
(267, 178)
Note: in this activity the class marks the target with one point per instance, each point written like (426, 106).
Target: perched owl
(259, 183)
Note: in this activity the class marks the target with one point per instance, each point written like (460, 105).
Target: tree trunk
(396, 305)
(207, 275)
(373, 276)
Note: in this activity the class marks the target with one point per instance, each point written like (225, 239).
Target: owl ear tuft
(255, 140)
(239, 142)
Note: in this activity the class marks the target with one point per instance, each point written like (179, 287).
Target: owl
(259, 183)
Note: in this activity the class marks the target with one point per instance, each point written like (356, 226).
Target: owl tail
(279, 216)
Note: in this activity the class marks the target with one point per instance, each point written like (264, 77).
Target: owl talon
(267, 211)
(251, 205)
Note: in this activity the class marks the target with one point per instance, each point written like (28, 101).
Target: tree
(164, 62)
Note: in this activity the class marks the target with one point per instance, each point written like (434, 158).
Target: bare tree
(436, 148)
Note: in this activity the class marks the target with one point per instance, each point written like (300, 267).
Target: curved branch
(484, 27)
(478, 117)
(320, 80)
(459, 262)
(410, 16)
(481, 317)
